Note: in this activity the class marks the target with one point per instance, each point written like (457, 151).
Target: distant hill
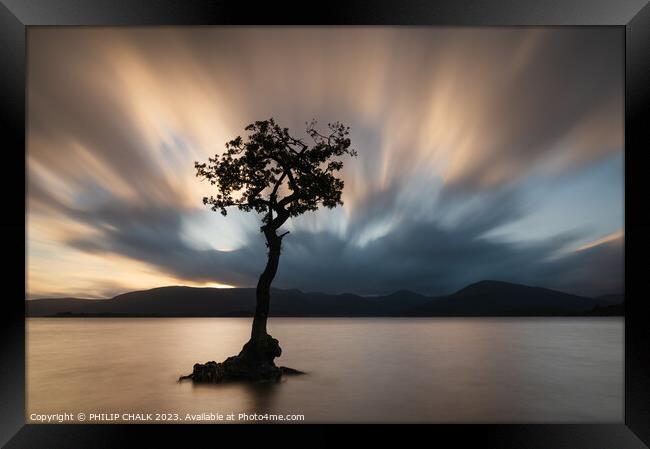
(504, 299)
(609, 300)
(485, 298)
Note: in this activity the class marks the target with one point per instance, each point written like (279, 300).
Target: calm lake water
(359, 369)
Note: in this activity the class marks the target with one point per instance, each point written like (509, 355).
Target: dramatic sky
(483, 154)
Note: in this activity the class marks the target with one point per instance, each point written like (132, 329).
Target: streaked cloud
(452, 126)
(614, 236)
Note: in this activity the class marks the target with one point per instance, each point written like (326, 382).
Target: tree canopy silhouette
(279, 176)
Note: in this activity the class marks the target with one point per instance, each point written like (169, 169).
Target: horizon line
(230, 287)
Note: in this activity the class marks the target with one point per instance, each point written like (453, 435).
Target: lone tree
(279, 176)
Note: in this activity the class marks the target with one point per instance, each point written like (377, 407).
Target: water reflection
(360, 370)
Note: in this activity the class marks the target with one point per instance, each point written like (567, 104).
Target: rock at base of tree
(253, 363)
(286, 371)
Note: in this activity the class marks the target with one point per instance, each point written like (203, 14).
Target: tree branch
(288, 199)
(277, 186)
(278, 221)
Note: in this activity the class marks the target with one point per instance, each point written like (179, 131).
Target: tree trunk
(255, 360)
(263, 292)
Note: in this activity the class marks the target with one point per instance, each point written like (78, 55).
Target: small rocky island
(253, 363)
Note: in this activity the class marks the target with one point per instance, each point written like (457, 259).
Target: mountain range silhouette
(484, 298)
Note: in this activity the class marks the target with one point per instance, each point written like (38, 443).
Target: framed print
(421, 213)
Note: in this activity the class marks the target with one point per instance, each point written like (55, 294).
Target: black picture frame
(633, 15)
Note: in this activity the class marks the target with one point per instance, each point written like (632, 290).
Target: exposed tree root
(253, 363)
